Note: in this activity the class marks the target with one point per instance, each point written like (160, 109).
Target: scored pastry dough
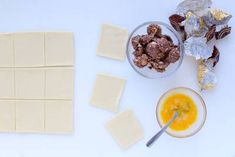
(59, 116)
(107, 92)
(36, 69)
(7, 115)
(59, 83)
(6, 50)
(6, 83)
(29, 83)
(125, 129)
(59, 48)
(29, 49)
(112, 43)
(30, 116)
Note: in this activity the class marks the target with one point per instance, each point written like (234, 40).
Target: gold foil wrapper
(206, 75)
(196, 6)
(199, 19)
(197, 47)
(216, 17)
(194, 25)
(219, 14)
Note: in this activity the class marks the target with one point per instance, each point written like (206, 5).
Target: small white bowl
(201, 108)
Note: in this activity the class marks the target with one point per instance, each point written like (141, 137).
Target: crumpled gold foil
(194, 25)
(201, 24)
(216, 17)
(197, 47)
(206, 75)
(195, 6)
(219, 14)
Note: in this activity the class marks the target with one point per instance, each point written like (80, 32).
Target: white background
(84, 18)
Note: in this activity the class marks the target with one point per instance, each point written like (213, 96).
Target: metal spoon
(157, 135)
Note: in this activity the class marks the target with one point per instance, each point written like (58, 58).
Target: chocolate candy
(173, 55)
(154, 49)
(139, 50)
(141, 61)
(167, 37)
(154, 30)
(145, 39)
(135, 41)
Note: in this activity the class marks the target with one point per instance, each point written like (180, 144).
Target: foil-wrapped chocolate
(196, 6)
(216, 17)
(206, 75)
(197, 47)
(194, 25)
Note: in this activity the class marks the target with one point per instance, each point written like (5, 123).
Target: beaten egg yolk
(186, 108)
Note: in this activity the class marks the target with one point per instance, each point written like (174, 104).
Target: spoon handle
(157, 135)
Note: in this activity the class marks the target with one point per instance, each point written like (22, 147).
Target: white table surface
(84, 18)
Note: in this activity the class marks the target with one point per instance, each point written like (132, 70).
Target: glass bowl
(167, 30)
(201, 117)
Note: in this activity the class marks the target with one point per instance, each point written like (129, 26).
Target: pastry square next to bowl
(112, 43)
(107, 92)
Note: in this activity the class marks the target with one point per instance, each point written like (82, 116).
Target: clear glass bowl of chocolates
(155, 50)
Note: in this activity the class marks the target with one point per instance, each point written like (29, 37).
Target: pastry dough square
(7, 83)
(29, 49)
(7, 116)
(59, 116)
(59, 83)
(30, 83)
(125, 129)
(112, 43)
(30, 116)
(6, 50)
(107, 92)
(59, 48)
